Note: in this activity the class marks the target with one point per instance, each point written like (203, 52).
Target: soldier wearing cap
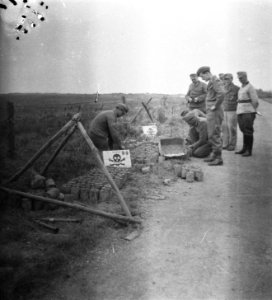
(215, 114)
(246, 112)
(102, 129)
(229, 126)
(199, 144)
(196, 94)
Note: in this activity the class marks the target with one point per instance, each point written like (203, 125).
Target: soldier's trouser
(202, 151)
(229, 129)
(101, 143)
(192, 135)
(245, 122)
(214, 122)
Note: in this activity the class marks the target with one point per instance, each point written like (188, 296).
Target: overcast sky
(133, 46)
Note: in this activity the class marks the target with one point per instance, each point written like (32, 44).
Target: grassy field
(31, 257)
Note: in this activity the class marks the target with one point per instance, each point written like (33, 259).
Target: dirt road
(205, 240)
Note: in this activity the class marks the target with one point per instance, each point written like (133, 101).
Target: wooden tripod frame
(69, 129)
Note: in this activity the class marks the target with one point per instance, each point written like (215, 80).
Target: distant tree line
(264, 94)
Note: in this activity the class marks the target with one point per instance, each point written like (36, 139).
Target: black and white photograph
(135, 150)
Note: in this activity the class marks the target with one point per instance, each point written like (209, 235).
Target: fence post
(11, 136)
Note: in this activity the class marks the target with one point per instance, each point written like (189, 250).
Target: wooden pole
(52, 228)
(139, 111)
(75, 118)
(61, 145)
(53, 220)
(148, 112)
(11, 136)
(72, 205)
(104, 169)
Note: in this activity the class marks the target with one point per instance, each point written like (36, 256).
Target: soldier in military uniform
(229, 127)
(246, 112)
(196, 94)
(102, 129)
(215, 114)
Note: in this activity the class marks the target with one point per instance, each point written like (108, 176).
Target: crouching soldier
(200, 145)
(102, 129)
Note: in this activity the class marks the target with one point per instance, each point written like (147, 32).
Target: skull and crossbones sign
(117, 160)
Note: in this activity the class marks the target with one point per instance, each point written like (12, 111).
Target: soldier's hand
(213, 108)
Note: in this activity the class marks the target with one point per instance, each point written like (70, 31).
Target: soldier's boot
(243, 150)
(218, 161)
(210, 158)
(249, 145)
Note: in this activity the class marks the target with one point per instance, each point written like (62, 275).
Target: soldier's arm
(187, 96)
(254, 97)
(202, 97)
(220, 93)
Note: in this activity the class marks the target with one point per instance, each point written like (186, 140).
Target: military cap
(241, 73)
(190, 117)
(203, 70)
(228, 76)
(122, 107)
(193, 75)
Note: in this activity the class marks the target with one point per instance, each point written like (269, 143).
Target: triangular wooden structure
(68, 129)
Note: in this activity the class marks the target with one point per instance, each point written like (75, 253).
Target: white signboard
(117, 158)
(150, 130)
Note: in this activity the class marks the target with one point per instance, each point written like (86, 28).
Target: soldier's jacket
(197, 91)
(215, 93)
(231, 96)
(103, 125)
(247, 99)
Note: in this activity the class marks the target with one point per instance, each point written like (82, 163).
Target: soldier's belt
(244, 101)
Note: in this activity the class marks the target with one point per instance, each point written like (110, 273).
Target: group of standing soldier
(213, 112)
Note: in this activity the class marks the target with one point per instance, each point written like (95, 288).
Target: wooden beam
(148, 112)
(75, 118)
(57, 219)
(139, 111)
(52, 228)
(72, 205)
(104, 169)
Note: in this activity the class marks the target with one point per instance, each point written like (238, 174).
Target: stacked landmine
(189, 172)
(41, 186)
(144, 156)
(94, 186)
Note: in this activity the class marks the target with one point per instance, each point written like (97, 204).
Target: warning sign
(150, 130)
(117, 158)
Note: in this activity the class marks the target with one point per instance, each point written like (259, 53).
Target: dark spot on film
(3, 6)
(13, 2)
